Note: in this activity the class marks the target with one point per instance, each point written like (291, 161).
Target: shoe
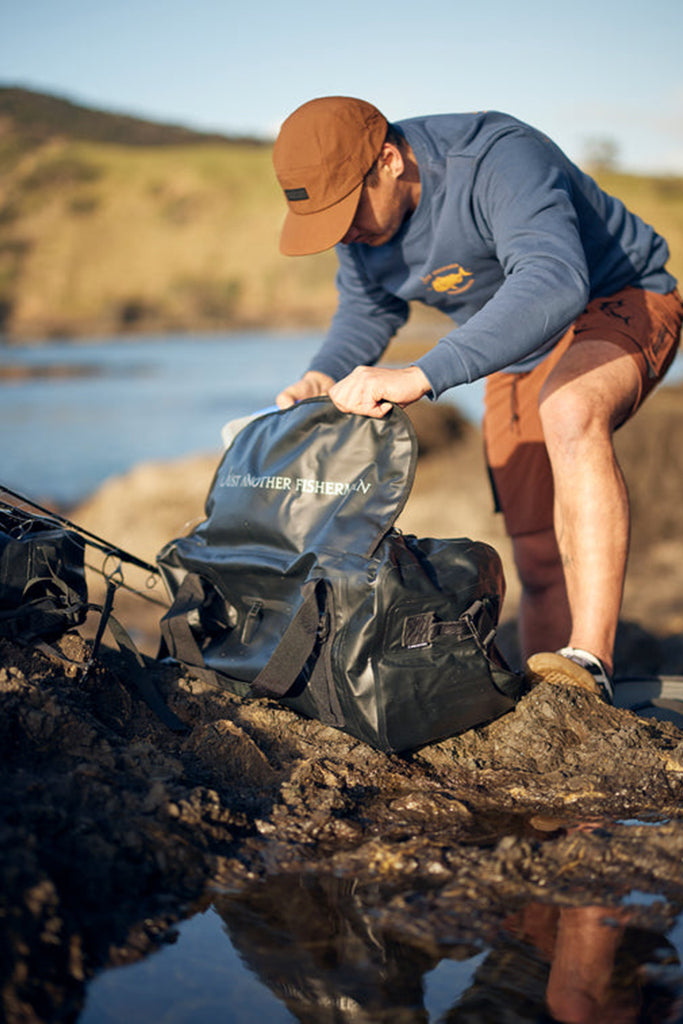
(570, 666)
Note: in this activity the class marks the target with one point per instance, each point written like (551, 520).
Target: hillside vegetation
(110, 224)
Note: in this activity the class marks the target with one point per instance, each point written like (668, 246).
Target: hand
(372, 390)
(311, 385)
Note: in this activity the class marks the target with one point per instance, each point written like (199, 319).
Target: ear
(391, 160)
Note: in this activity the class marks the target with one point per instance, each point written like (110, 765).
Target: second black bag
(43, 590)
(298, 587)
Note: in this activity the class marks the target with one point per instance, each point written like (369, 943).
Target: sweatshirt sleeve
(522, 204)
(366, 319)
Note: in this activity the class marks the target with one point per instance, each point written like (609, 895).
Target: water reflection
(315, 946)
(589, 966)
(321, 952)
(318, 951)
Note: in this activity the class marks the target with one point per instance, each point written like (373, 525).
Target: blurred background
(109, 225)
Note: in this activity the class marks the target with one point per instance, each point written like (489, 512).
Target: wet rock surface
(114, 828)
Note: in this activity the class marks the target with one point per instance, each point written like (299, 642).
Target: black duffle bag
(298, 587)
(43, 591)
(44, 594)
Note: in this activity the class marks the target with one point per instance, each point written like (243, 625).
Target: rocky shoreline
(115, 828)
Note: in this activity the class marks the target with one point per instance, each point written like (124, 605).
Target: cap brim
(306, 233)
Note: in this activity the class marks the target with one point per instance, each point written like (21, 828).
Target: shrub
(61, 170)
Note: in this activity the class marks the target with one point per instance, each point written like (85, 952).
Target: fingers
(371, 391)
(349, 398)
(285, 399)
(368, 390)
(311, 385)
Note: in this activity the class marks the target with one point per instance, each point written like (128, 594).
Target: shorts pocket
(660, 343)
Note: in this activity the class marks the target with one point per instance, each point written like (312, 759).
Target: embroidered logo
(452, 279)
(613, 307)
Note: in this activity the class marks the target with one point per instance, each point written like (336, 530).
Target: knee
(570, 418)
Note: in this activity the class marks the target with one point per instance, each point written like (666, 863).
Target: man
(560, 297)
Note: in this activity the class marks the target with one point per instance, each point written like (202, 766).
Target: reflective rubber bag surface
(298, 587)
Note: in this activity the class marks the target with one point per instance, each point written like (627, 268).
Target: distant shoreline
(50, 371)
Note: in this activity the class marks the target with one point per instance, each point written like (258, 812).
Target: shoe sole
(560, 671)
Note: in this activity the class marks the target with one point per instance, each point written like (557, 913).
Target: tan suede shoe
(570, 667)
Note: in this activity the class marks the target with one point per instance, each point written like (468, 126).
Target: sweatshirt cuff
(442, 369)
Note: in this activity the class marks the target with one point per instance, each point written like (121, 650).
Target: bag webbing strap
(295, 648)
(309, 628)
(59, 606)
(287, 662)
(137, 672)
(179, 639)
(40, 617)
(476, 622)
(135, 669)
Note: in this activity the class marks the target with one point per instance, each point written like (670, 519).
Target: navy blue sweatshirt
(509, 239)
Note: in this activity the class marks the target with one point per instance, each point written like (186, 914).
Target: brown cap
(321, 156)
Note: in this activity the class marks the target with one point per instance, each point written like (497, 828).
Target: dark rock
(112, 824)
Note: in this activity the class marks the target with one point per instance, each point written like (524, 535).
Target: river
(73, 414)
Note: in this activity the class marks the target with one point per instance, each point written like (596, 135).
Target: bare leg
(590, 391)
(544, 618)
(582, 967)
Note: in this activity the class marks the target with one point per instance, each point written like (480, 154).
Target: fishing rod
(93, 539)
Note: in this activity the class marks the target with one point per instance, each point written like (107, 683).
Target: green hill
(110, 224)
(36, 117)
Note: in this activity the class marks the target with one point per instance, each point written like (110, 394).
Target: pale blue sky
(605, 69)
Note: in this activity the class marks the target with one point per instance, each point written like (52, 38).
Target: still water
(108, 405)
(309, 951)
(202, 979)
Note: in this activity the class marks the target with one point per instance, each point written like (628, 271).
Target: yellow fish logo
(450, 280)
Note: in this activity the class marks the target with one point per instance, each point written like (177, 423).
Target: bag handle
(276, 678)
(294, 649)
(309, 626)
(178, 639)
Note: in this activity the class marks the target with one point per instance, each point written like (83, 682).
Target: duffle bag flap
(311, 477)
(292, 483)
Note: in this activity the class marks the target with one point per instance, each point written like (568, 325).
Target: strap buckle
(476, 622)
(251, 620)
(481, 623)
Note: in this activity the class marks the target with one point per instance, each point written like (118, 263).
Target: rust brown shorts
(644, 324)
